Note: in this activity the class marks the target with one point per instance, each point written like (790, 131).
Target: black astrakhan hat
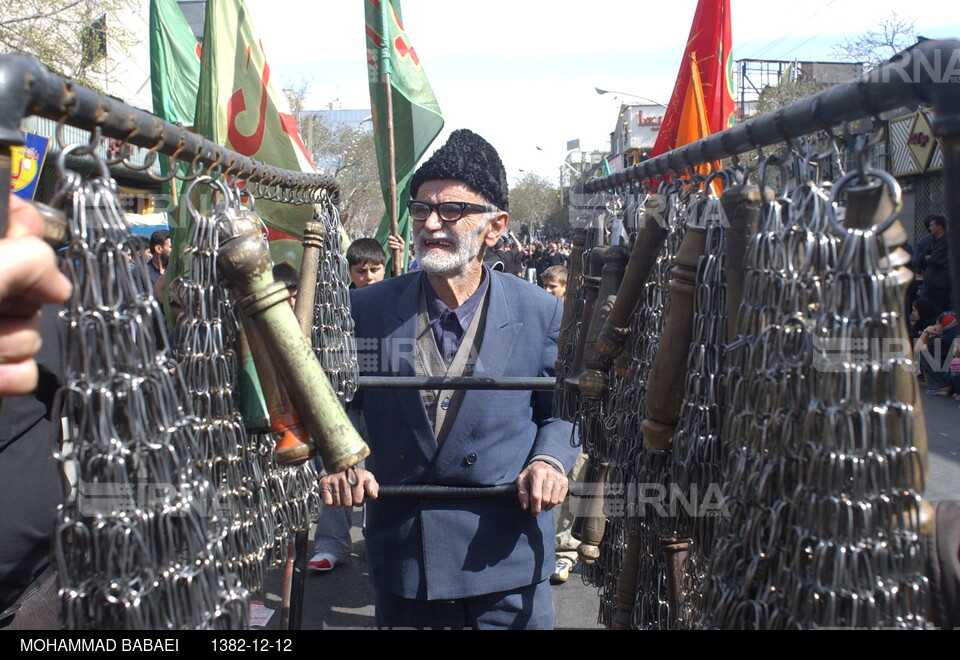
(469, 158)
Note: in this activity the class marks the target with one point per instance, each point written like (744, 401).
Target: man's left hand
(541, 487)
(395, 243)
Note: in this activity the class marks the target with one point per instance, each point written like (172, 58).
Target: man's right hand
(347, 489)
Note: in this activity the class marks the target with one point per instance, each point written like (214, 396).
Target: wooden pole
(392, 166)
(386, 65)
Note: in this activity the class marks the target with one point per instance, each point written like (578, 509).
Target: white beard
(466, 248)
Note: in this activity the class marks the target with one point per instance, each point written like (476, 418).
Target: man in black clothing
(936, 277)
(31, 480)
(922, 248)
(159, 254)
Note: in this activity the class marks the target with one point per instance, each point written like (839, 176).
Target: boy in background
(555, 283)
(286, 273)
(367, 261)
(555, 280)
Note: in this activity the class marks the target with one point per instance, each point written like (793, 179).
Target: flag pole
(386, 66)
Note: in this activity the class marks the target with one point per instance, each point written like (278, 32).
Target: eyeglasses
(447, 211)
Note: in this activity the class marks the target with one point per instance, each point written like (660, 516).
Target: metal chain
(624, 445)
(763, 373)
(823, 479)
(207, 335)
(333, 335)
(139, 544)
(695, 470)
(566, 400)
(651, 480)
(293, 493)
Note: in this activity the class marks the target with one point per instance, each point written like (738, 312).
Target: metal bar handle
(431, 492)
(504, 491)
(27, 87)
(543, 384)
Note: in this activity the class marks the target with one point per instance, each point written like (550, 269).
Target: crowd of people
(527, 260)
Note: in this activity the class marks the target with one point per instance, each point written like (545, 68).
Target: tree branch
(21, 19)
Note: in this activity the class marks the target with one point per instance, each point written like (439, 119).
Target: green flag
(174, 78)
(240, 107)
(174, 75)
(174, 63)
(416, 115)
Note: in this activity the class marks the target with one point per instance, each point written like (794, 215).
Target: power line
(789, 32)
(804, 43)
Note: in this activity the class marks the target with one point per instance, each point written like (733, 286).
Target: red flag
(709, 45)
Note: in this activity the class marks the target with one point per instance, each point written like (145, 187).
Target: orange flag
(694, 124)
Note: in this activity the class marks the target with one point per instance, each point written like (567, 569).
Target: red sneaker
(322, 562)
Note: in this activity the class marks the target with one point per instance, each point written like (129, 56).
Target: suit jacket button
(401, 455)
(445, 404)
(471, 459)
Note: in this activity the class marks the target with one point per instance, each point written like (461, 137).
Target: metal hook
(152, 157)
(231, 164)
(723, 174)
(215, 183)
(215, 165)
(92, 143)
(96, 137)
(886, 178)
(85, 149)
(123, 146)
(196, 168)
(777, 161)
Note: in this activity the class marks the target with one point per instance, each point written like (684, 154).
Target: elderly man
(451, 563)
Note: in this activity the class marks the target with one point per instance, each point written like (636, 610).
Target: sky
(523, 73)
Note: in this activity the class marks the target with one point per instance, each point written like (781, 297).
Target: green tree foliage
(535, 202)
(70, 37)
(788, 91)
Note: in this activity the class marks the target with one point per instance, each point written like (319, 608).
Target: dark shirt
(512, 262)
(937, 274)
(450, 325)
(31, 479)
(550, 260)
(921, 251)
(153, 271)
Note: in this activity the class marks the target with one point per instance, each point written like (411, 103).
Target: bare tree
(891, 34)
(361, 195)
(70, 37)
(348, 153)
(296, 94)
